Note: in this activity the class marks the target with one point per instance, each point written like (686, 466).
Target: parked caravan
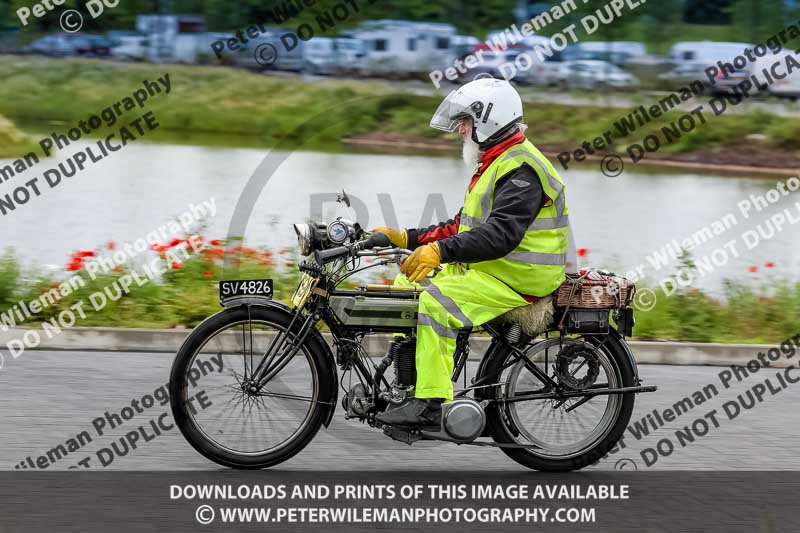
(168, 41)
(402, 48)
(705, 52)
(617, 52)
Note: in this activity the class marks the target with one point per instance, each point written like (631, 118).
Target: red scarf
(492, 153)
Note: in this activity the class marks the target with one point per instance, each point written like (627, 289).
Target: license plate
(307, 284)
(230, 289)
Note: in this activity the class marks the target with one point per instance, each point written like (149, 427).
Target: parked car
(728, 84)
(684, 74)
(118, 37)
(54, 45)
(130, 47)
(594, 75)
(277, 54)
(492, 65)
(462, 45)
(789, 86)
(67, 44)
(98, 46)
(333, 55)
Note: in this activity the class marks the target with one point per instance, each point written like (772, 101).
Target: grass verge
(273, 109)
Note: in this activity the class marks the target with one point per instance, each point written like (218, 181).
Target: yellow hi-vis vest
(536, 266)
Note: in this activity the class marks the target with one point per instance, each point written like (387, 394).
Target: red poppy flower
(74, 265)
(85, 253)
(216, 253)
(769, 264)
(177, 265)
(582, 252)
(753, 268)
(215, 242)
(208, 274)
(111, 245)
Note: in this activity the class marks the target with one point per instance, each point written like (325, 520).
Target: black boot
(414, 412)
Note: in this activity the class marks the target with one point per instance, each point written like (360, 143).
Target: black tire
(499, 425)
(316, 355)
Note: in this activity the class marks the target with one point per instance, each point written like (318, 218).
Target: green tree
(756, 20)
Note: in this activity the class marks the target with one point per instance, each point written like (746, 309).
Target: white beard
(471, 153)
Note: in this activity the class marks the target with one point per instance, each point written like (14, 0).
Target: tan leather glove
(420, 263)
(399, 237)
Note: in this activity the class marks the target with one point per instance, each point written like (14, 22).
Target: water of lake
(621, 222)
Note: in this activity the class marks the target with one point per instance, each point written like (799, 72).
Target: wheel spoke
(243, 420)
(561, 426)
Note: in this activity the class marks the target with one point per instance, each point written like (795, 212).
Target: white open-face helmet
(494, 106)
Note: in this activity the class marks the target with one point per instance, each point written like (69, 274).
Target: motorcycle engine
(357, 401)
(402, 354)
(463, 419)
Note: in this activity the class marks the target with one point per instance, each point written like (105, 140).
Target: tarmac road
(50, 397)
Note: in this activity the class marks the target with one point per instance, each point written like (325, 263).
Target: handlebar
(376, 240)
(324, 256)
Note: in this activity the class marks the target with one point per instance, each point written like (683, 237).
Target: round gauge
(338, 232)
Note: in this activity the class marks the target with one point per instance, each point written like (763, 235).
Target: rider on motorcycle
(505, 248)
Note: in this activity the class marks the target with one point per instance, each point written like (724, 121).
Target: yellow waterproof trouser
(456, 298)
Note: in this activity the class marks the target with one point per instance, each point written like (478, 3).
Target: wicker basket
(608, 292)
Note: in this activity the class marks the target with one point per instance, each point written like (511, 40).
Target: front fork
(282, 349)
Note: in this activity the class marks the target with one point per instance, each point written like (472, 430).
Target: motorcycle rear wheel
(506, 425)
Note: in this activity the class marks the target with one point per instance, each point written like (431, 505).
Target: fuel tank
(378, 312)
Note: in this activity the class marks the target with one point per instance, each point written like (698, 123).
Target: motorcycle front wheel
(560, 435)
(214, 401)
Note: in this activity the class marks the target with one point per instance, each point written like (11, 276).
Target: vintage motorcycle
(553, 398)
